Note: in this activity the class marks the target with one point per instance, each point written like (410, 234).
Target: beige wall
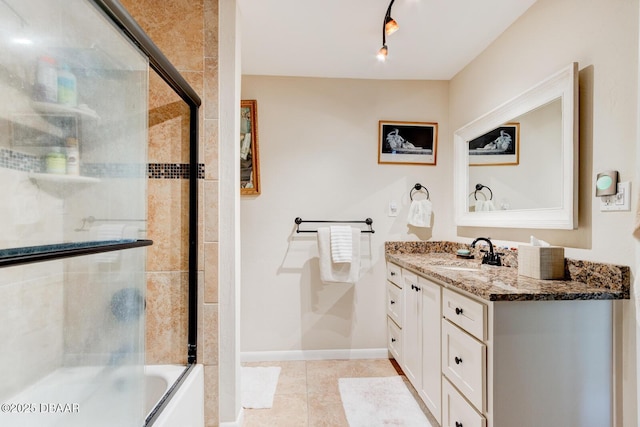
(187, 33)
(317, 142)
(602, 36)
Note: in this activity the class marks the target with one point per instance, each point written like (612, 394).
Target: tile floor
(307, 394)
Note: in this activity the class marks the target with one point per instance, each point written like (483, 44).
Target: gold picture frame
(498, 147)
(249, 159)
(407, 143)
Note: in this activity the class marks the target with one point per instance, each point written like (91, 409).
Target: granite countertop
(583, 280)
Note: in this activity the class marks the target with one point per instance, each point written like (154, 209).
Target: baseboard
(272, 356)
(236, 423)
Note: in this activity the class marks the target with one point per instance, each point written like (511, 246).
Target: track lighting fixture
(389, 26)
(382, 53)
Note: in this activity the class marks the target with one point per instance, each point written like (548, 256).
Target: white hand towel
(420, 213)
(489, 206)
(341, 272)
(479, 205)
(341, 243)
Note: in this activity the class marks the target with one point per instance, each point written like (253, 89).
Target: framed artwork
(500, 146)
(249, 160)
(407, 142)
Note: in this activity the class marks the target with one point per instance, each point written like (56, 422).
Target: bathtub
(185, 407)
(71, 397)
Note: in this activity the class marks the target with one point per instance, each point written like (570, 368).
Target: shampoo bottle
(67, 89)
(46, 87)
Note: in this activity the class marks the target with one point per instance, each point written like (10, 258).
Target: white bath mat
(259, 386)
(372, 402)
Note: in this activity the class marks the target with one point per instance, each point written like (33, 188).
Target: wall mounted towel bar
(90, 220)
(299, 221)
(418, 187)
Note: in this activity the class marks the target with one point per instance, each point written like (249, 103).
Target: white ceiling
(340, 38)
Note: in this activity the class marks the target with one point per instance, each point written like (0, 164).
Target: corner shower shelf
(30, 254)
(62, 178)
(52, 108)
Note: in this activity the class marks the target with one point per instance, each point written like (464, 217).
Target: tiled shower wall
(187, 33)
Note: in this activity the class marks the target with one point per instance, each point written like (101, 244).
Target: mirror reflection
(528, 159)
(518, 165)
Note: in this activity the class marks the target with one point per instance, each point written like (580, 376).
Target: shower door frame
(120, 18)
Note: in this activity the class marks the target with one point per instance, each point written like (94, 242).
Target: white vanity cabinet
(420, 336)
(481, 363)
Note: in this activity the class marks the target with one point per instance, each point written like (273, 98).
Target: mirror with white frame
(516, 166)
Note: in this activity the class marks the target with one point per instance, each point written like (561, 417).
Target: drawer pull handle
(458, 312)
(458, 424)
(393, 340)
(458, 360)
(392, 302)
(393, 273)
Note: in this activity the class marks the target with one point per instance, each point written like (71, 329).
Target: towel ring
(473, 193)
(479, 187)
(418, 187)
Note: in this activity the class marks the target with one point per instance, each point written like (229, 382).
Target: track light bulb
(382, 53)
(390, 25)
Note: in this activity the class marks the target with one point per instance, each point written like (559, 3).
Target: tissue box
(541, 262)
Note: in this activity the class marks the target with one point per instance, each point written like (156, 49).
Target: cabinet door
(431, 345)
(470, 315)
(464, 363)
(456, 411)
(412, 329)
(394, 340)
(394, 303)
(394, 274)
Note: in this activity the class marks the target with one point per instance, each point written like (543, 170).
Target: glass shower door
(73, 159)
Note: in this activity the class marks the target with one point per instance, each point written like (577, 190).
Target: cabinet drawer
(394, 274)
(457, 412)
(394, 343)
(470, 315)
(464, 363)
(394, 303)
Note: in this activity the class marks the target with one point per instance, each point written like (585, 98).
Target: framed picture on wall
(500, 146)
(407, 142)
(249, 160)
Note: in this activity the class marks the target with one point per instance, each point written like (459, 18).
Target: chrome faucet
(490, 258)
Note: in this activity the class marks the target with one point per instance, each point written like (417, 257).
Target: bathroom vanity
(485, 347)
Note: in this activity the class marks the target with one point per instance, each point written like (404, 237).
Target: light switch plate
(393, 208)
(620, 202)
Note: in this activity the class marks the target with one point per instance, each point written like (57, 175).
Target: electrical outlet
(621, 201)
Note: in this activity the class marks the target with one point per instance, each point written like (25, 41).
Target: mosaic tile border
(15, 160)
(172, 170)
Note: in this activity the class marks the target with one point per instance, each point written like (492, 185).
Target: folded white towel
(338, 272)
(341, 243)
(420, 213)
